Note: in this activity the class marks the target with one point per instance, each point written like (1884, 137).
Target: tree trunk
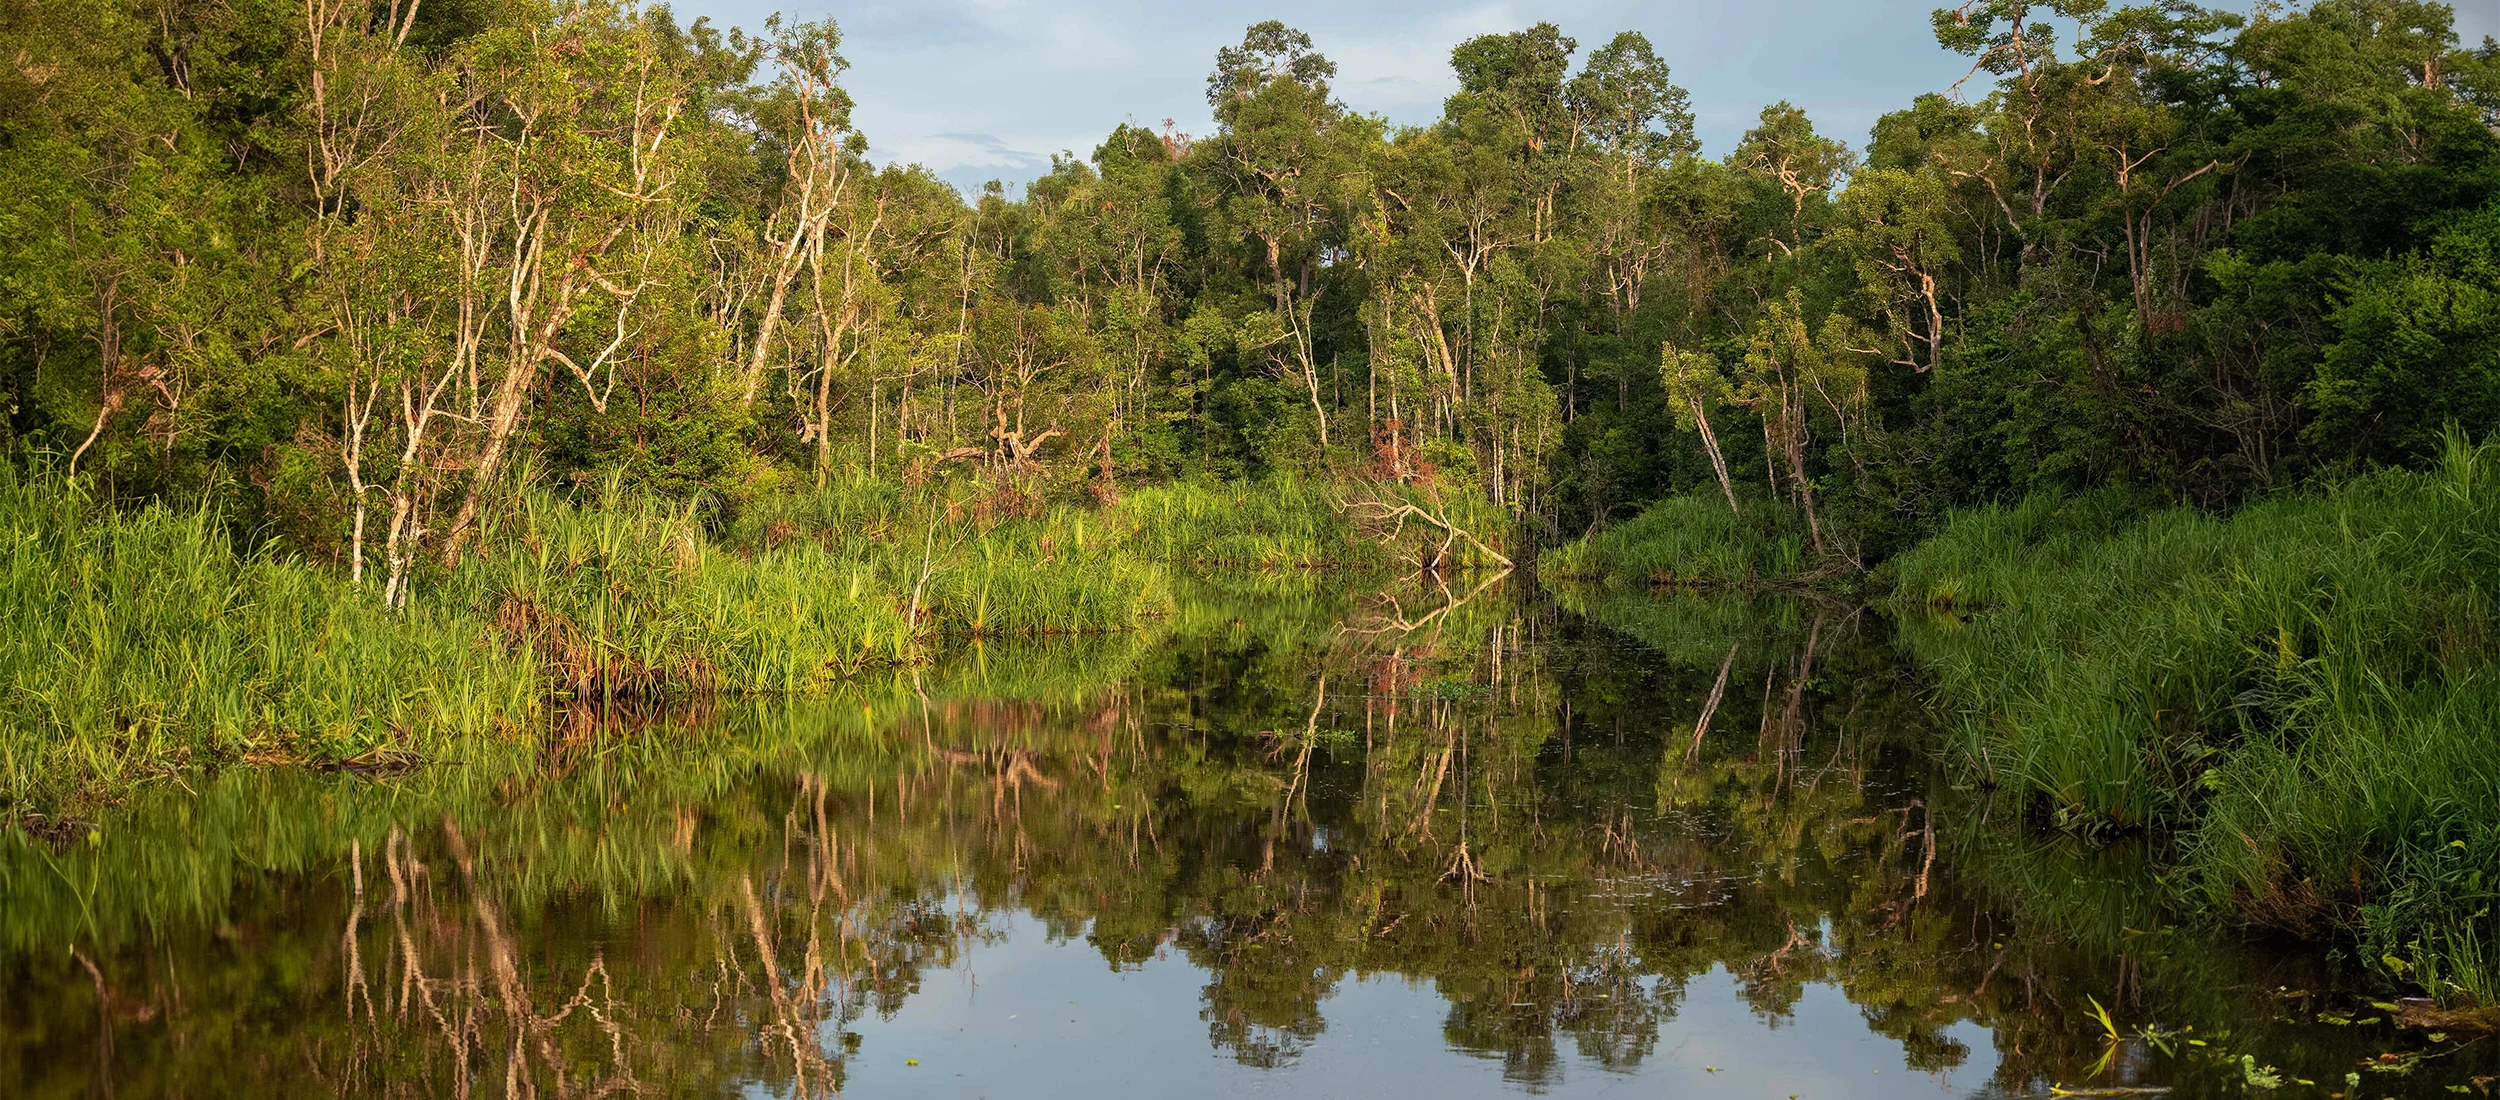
(1718, 461)
(511, 398)
(1795, 447)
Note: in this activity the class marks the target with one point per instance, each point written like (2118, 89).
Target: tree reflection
(1556, 830)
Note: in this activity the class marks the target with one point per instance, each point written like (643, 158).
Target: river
(1447, 845)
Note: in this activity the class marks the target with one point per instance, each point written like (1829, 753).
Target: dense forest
(351, 267)
(376, 375)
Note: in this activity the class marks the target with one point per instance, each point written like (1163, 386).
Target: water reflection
(1344, 851)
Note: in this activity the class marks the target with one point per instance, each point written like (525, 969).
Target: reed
(143, 641)
(626, 596)
(1273, 526)
(994, 561)
(1687, 541)
(2301, 694)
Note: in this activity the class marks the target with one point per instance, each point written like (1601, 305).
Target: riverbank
(2300, 697)
(147, 642)
(2294, 704)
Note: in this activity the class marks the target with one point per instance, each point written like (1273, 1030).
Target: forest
(2147, 377)
(356, 268)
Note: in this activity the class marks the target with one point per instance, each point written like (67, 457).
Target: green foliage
(2247, 251)
(145, 641)
(2417, 345)
(2302, 693)
(295, 297)
(1695, 539)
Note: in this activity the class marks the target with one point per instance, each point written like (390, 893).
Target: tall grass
(998, 561)
(1269, 526)
(2304, 694)
(626, 596)
(1062, 573)
(142, 641)
(135, 642)
(1001, 560)
(1688, 540)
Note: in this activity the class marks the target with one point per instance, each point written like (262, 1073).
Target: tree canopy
(352, 262)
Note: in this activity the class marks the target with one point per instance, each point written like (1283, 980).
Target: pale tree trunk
(536, 308)
(1793, 428)
(503, 418)
(808, 225)
(359, 413)
(840, 324)
(816, 162)
(1295, 314)
(536, 311)
(1718, 460)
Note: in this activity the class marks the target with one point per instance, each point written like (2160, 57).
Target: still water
(1289, 846)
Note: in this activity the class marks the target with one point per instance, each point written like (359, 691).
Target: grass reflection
(1558, 828)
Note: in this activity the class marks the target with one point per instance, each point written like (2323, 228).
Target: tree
(809, 115)
(1285, 149)
(1631, 114)
(1785, 367)
(1804, 166)
(1694, 387)
(562, 191)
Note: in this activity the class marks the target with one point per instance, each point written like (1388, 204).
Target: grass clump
(142, 641)
(626, 596)
(1690, 540)
(1066, 572)
(1000, 558)
(996, 560)
(1271, 526)
(2304, 695)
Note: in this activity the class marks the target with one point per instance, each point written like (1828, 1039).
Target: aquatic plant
(2302, 693)
(624, 595)
(1692, 539)
(133, 642)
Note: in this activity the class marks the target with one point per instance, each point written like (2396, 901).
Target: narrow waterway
(1289, 847)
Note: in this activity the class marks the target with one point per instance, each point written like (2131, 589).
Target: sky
(989, 89)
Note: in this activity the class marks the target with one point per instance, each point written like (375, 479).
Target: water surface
(1305, 848)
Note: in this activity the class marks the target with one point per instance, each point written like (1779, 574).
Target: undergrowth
(142, 641)
(2303, 694)
(1690, 540)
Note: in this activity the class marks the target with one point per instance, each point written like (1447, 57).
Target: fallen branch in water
(1374, 511)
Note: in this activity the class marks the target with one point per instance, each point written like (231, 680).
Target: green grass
(1688, 540)
(972, 561)
(144, 641)
(2303, 695)
(1002, 560)
(1284, 525)
(137, 642)
(627, 597)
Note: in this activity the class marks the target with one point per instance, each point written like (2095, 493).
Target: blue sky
(982, 89)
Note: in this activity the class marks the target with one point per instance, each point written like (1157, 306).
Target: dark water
(1299, 848)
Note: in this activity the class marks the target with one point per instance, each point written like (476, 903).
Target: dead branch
(1375, 512)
